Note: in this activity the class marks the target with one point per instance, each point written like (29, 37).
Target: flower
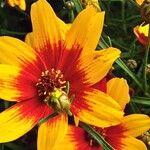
(36, 76)
(139, 2)
(120, 137)
(20, 3)
(141, 33)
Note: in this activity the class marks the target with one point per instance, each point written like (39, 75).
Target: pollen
(48, 81)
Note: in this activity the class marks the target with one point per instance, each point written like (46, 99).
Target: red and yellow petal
(74, 140)
(47, 27)
(91, 69)
(20, 118)
(135, 124)
(85, 34)
(141, 33)
(48, 33)
(15, 85)
(52, 132)
(15, 52)
(131, 143)
(96, 108)
(118, 89)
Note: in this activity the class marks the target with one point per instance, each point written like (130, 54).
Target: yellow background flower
(20, 3)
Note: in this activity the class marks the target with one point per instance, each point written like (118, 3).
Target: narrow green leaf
(7, 32)
(96, 136)
(134, 108)
(47, 118)
(121, 64)
(141, 100)
(78, 5)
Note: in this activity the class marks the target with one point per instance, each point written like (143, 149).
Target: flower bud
(59, 101)
(69, 5)
(132, 64)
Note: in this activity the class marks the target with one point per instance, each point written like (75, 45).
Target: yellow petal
(133, 144)
(118, 89)
(15, 52)
(20, 3)
(136, 124)
(76, 120)
(19, 119)
(47, 28)
(52, 132)
(92, 68)
(86, 30)
(139, 1)
(97, 108)
(29, 39)
(14, 85)
(144, 29)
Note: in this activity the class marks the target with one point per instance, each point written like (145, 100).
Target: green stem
(145, 62)
(100, 140)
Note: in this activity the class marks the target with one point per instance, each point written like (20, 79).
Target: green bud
(59, 101)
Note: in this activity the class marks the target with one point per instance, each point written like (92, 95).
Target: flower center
(92, 142)
(51, 90)
(49, 80)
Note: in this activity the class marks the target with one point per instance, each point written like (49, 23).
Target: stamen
(51, 89)
(49, 80)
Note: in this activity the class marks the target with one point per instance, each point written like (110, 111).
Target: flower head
(36, 75)
(20, 3)
(141, 33)
(120, 137)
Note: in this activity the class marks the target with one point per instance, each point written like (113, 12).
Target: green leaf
(121, 64)
(47, 118)
(78, 5)
(11, 33)
(100, 139)
(141, 100)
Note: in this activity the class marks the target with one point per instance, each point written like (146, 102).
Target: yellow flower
(35, 75)
(141, 32)
(20, 3)
(139, 2)
(121, 136)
